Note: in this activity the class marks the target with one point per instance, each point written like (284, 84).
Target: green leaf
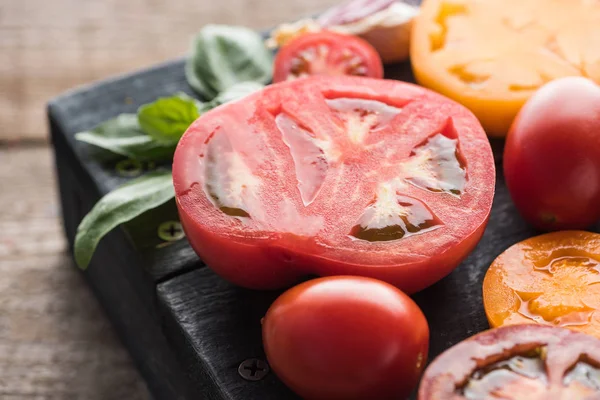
(166, 119)
(234, 93)
(123, 136)
(224, 55)
(119, 206)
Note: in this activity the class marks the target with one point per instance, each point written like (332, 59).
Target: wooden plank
(120, 282)
(55, 341)
(50, 46)
(214, 326)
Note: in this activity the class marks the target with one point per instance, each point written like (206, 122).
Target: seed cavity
(229, 182)
(437, 164)
(473, 79)
(362, 116)
(558, 296)
(393, 216)
(509, 379)
(310, 161)
(446, 11)
(583, 373)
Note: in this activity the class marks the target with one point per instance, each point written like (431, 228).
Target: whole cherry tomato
(346, 338)
(552, 155)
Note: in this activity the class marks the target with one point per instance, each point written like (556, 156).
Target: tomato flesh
(492, 55)
(326, 53)
(345, 338)
(329, 176)
(550, 279)
(516, 362)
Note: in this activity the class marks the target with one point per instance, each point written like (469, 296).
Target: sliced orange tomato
(552, 279)
(492, 55)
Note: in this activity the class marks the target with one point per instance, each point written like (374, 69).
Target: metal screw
(253, 369)
(170, 231)
(129, 168)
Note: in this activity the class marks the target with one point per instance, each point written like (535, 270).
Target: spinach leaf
(119, 206)
(225, 55)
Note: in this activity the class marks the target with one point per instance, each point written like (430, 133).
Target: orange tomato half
(552, 279)
(492, 55)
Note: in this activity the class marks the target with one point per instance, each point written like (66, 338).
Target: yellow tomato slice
(552, 279)
(491, 55)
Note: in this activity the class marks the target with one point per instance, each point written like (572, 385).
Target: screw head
(170, 231)
(253, 369)
(129, 168)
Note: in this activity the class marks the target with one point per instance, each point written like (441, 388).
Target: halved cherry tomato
(519, 362)
(346, 338)
(326, 53)
(335, 176)
(552, 279)
(552, 156)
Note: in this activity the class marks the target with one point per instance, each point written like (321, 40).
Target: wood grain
(55, 342)
(49, 46)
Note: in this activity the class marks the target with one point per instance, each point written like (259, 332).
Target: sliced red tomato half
(335, 176)
(326, 53)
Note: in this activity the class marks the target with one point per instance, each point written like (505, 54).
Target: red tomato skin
(273, 266)
(358, 46)
(552, 156)
(346, 338)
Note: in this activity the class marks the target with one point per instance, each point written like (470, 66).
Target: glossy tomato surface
(346, 338)
(492, 55)
(550, 279)
(326, 53)
(518, 362)
(552, 156)
(335, 176)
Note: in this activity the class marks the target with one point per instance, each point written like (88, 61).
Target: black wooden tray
(193, 335)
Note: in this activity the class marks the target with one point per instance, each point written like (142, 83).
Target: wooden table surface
(55, 341)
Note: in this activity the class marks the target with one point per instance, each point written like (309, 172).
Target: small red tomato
(346, 338)
(326, 53)
(552, 156)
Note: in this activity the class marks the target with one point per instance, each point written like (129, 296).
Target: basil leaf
(224, 55)
(121, 205)
(235, 92)
(166, 119)
(123, 136)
